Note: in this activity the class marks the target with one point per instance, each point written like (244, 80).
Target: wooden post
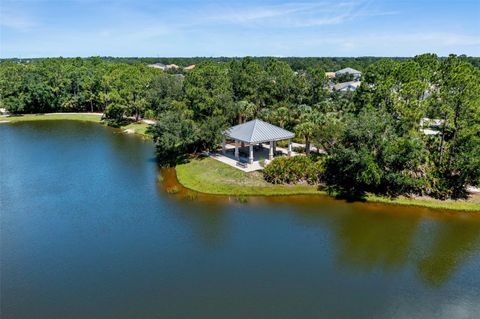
(250, 157)
(274, 148)
(289, 147)
(270, 151)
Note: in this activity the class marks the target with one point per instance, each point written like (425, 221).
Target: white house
(356, 74)
(347, 86)
(430, 126)
(160, 66)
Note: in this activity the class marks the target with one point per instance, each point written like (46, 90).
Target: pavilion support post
(237, 156)
(274, 147)
(250, 157)
(270, 151)
(289, 147)
(223, 146)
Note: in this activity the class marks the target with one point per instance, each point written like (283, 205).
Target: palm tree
(246, 110)
(250, 111)
(307, 131)
(282, 116)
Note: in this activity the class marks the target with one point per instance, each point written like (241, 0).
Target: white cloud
(15, 19)
(393, 44)
(290, 15)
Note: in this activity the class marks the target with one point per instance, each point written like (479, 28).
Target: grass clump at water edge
(172, 190)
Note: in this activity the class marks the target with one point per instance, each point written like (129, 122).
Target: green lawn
(139, 128)
(43, 117)
(210, 176)
(472, 205)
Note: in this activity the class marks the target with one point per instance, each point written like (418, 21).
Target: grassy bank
(472, 205)
(213, 177)
(136, 128)
(53, 116)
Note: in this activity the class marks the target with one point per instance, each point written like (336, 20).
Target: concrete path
(233, 162)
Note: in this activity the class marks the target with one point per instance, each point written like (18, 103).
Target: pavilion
(254, 133)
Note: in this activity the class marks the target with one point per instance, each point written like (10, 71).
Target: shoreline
(135, 128)
(193, 178)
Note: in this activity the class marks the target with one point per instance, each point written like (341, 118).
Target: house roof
(348, 70)
(258, 131)
(351, 84)
(330, 74)
(157, 65)
(430, 132)
(431, 122)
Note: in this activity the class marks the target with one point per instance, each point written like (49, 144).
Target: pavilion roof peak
(258, 131)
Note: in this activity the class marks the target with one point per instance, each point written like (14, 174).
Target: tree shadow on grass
(351, 198)
(115, 123)
(179, 159)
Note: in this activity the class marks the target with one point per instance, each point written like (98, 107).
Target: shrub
(283, 143)
(299, 149)
(149, 114)
(172, 190)
(291, 170)
(191, 195)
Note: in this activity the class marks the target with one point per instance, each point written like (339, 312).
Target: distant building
(330, 75)
(347, 86)
(171, 66)
(431, 122)
(160, 66)
(189, 68)
(356, 74)
(430, 126)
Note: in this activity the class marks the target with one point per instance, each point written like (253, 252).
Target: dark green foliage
(297, 169)
(114, 114)
(370, 157)
(84, 85)
(175, 136)
(455, 153)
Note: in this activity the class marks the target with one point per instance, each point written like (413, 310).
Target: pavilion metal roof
(258, 131)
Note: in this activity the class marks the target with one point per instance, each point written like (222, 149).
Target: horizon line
(231, 57)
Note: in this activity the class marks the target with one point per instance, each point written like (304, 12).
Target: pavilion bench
(242, 163)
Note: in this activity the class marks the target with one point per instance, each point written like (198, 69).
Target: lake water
(88, 232)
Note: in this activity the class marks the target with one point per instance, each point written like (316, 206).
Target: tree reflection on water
(453, 243)
(365, 237)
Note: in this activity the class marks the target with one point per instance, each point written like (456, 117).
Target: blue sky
(39, 28)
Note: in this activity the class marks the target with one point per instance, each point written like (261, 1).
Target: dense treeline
(86, 85)
(296, 63)
(373, 138)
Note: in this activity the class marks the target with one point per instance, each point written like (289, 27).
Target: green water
(88, 232)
